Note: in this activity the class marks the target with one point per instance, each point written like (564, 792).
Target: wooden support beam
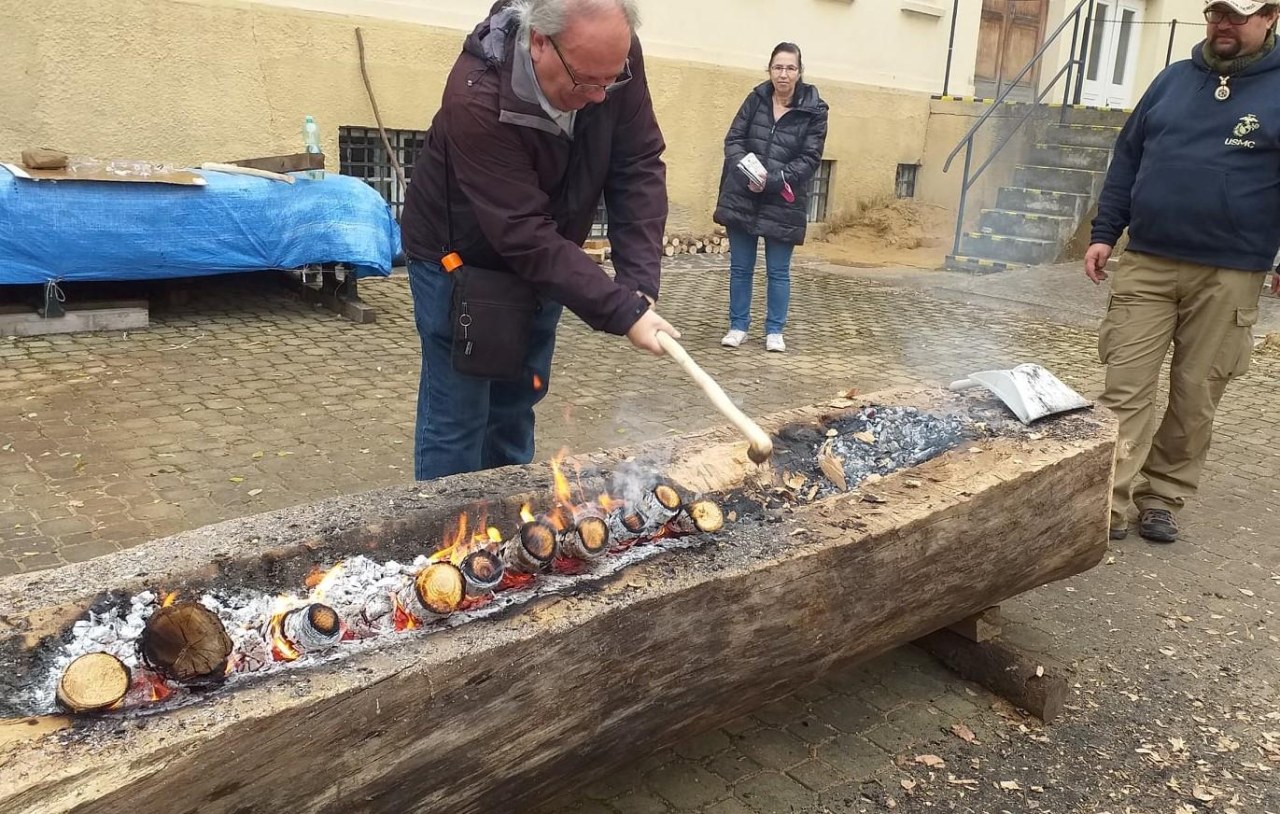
(283, 163)
(980, 627)
(1036, 683)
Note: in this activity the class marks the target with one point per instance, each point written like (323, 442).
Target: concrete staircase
(1036, 217)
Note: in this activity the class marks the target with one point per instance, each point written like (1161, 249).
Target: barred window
(905, 183)
(820, 191)
(361, 155)
(600, 224)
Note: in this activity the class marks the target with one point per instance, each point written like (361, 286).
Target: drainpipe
(951, 47)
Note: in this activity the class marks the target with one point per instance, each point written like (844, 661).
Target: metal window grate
(820, 191)
(905, 184)
(361, 155)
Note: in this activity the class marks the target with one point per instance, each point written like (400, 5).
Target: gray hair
(551, 17)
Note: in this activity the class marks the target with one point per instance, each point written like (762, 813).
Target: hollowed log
(187, 643)
(472, 718)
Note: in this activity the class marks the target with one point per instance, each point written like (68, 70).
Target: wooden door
(1008, 37)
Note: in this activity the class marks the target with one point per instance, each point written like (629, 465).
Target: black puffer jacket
(790, 149)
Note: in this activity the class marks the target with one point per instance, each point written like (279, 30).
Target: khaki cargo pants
(1208, 314)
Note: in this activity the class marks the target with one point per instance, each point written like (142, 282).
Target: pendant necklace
(1223, 93)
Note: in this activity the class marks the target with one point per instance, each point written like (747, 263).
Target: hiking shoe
(1119, 532)
(774, 343)
(733, 339)
(1157, 525)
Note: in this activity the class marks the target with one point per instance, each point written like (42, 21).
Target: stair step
(978, 265)
(1058, 179)
(1008, 248)
(1045, 201)
(1074, 156)
(1026, 224)
(1082, 135)
(1110, 116)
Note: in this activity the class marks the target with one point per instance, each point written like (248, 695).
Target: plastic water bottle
(311, 138)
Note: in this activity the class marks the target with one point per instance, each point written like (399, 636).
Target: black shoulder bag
(491, 312)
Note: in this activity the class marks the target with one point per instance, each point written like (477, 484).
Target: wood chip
(1009, 785)
(932, 761)
(865, 437)
(833, 468)
(964, 733)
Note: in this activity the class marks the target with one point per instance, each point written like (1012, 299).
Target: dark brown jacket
(523, 195)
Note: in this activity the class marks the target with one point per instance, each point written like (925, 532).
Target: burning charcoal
(308, 629)
(589, 537)
(187, 643)
(531, 548)
(93, 682)
(482, 571)
(435, 592)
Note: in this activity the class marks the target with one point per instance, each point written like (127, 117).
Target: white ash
(881, 440)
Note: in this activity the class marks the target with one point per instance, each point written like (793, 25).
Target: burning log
(309, 629)
(187, 643)
(482, 571)
(588, 538)
(659, 504)
(435, 592)
(93, 682)
(625, 524)
(532, 548)
(704, 516)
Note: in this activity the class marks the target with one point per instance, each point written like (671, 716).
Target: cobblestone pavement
(249, 400)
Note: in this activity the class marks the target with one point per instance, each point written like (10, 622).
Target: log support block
(1036, 683)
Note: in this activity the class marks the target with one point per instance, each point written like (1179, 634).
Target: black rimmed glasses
(1217, 15)
(591, 87)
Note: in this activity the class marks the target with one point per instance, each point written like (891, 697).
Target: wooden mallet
(761, 446)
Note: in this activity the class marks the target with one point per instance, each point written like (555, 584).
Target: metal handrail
(1074, 63)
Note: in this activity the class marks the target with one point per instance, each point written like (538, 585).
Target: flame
(321, 587)
(525, 514)
(494, 536)
(607, 503)
(401, 618)
(281, 648)
(170, 599)
(563, 494)
(537, 382)
(157, 689)
(453, 547)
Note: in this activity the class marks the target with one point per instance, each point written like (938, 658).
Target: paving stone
(774, 793)
(781, 712)
(814, 775)
(731, 806)
(892, 739)
(639, 803)
(854, 757)
(706, 745)
(732, 765)
(686, 785)
(848, 713)
(811, 729)
(772, 748)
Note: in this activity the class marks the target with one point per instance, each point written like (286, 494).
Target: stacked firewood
(685, 243)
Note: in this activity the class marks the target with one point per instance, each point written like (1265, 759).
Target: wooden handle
(232, 169)
(761, 446)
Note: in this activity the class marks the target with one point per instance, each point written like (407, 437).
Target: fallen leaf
(236, 479)
(794, 481)
(1203, 794)
(254, 492)
(962, 781)
(1168, 651)
(1178, 744)
(932, 761)
(908, 784)
(964, 733)
(258, 455)
(8, 447)
(75, 504)
(865, 437)
(1010, 785)
(832, 433)
(1246, 591)
(841, 403)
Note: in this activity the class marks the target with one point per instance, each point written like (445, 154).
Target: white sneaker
(775, 343)
(733, 339)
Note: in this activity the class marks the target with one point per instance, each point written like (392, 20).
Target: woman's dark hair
(790, 48)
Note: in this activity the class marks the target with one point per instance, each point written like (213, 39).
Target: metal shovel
(1029, 390)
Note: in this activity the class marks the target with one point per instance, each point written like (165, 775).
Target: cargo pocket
(1116, 316)
(1237, 347)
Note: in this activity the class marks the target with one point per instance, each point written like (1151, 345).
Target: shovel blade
(1031, 391)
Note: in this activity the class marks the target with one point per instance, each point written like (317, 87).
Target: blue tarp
(88, 230)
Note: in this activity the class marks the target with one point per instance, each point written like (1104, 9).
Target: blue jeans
(465, 423)
(742, 266)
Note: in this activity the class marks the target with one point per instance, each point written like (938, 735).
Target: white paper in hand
(753, 169)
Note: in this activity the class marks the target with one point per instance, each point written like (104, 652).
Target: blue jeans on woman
(742, 267)
(465, 423)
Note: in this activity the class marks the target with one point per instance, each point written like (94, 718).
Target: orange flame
(321, 586)
(281, 648)
(170, 599)
(563, 494)
(607, 503)
(400, 616)
(525, 514)
(494, 535)
(537, 382)
(452, 546)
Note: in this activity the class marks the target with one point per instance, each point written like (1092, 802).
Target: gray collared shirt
(525, 84)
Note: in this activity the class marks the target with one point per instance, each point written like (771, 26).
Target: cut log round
(93, 682)
(187, 643)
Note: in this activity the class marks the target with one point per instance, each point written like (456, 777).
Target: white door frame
(1114, 41)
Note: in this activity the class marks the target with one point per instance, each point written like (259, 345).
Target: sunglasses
(589, 87)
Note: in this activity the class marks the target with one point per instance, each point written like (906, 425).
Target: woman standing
(783, 122)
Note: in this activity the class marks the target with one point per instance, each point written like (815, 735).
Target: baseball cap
(1241, 6)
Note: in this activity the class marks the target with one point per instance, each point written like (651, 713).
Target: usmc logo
(1244, 127)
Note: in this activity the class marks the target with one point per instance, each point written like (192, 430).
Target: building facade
(187, 81)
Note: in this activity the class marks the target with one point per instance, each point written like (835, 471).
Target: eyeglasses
(785, 69)
(591, 87)
(1214, 15)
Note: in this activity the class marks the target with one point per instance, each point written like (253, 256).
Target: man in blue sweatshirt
(1196, 180)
